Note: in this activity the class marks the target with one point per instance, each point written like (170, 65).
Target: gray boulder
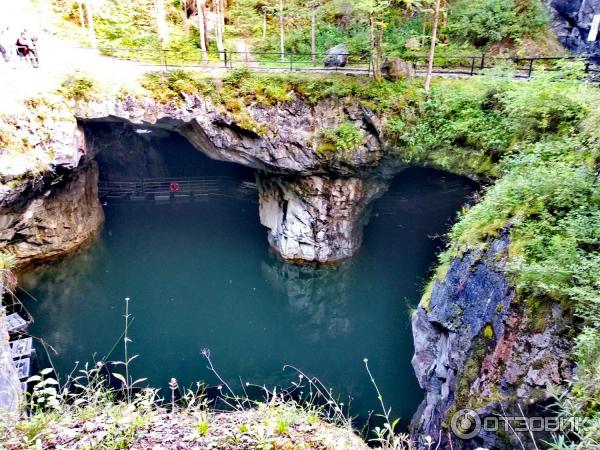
(393, 68)
(337, 56)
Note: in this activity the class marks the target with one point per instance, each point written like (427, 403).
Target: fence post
(164, 52)
(482, 61)
(530, 71)
(291, 62)
(225, 57)
(472, 66)
(369, 71)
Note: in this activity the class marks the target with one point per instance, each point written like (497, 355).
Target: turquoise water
(201, 275)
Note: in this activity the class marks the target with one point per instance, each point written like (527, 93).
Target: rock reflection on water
(318, 293)
(63, 282)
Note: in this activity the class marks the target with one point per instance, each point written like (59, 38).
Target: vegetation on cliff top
(538, 140)
(542, 138)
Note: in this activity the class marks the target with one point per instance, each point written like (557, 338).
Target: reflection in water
(63, 287)
(317, 294)
(201, 275)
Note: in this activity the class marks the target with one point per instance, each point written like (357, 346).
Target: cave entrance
(201, 275)
(150, 163)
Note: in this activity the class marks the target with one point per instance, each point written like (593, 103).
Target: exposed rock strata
(53, 216)
(316, 219)
(572, 21)
(326, 194)
(282, 139)
(476, 348)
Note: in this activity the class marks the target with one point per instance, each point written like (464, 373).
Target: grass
(88, 411)
(537, 142)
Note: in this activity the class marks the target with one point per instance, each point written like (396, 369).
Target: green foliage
(7, 260)
(78, 87)
(174, 85)
(548, 198)
(488, 332)
(488, 21)
(344, 138)
(125, 24)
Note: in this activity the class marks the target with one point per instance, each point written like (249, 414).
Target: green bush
(344, 138)
(78, 87)
(488, 21)
(7, 261)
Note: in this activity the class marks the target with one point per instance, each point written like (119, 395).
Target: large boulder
(393, 68)
(337, 56)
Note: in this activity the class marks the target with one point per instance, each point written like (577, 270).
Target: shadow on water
(201, 275)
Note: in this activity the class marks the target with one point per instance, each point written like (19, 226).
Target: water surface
(201, 275)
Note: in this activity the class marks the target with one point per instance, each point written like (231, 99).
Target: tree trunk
(377, 68)
(372, 44)
(281, 32)
(436, 16)
(202, 28)
(81, 17)
(161, 23)
(313, 34)
(186, 27)
(219, 29)
(92, 29)
(264, 25)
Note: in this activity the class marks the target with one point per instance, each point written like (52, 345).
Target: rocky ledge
(477, 348)
(313, 202)
(51, 215)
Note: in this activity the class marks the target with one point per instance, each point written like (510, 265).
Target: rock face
(316, 219)
(281, 140)
(313, 204)
(52, 216)
(337, 56)
(572, 21)
(393, 68)
(475, 350)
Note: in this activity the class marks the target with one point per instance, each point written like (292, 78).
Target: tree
(436, 17)
(81, 18)
(281, 32)
(89, 9)
(161, 22)
(185, 17)
(313, 33)
(375, 10)
(200, 9)
(220, 27)
(264, 22)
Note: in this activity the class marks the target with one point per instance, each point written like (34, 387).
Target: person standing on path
(3, 46)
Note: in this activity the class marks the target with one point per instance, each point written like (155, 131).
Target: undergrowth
(102, 406)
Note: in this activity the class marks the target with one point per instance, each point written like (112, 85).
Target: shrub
(7, 261)
(78, 87)
(488, 21)
(345, 138)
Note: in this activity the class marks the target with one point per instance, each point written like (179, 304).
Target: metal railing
(524, 67)
(358, 63)
(289, 61)
(163, 188)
